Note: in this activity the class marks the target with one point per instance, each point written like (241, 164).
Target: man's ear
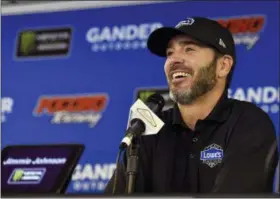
(225, 65)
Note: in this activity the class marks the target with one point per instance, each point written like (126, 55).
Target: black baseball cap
(204, 30)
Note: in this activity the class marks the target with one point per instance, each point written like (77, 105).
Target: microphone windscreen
(157, 99)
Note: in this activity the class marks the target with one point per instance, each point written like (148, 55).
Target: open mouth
(180, 75)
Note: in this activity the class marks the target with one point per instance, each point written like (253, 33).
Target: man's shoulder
(247, 108)
(254, 127)
(252, 115)
(250, 109)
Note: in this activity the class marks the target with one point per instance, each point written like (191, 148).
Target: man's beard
(205, 81)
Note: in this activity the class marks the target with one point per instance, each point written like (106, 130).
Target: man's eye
(189, 49)
(168, 53)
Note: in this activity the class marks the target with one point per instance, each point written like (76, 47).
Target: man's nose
(176, 58)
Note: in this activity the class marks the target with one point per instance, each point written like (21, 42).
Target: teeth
(180, 74)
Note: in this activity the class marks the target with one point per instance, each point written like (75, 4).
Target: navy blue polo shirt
(225, 153)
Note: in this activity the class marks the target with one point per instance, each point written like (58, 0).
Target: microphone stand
(132, 164)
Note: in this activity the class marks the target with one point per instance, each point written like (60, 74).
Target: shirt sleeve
(243, 166)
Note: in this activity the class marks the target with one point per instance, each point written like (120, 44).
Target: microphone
(156, 103)
(144, 119)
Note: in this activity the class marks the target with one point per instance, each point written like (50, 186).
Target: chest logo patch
(212, 155)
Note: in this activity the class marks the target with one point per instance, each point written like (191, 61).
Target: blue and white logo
(212, 155)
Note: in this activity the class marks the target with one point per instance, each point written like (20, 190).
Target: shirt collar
(219, 113)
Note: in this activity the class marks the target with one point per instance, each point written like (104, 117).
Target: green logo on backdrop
(18, 175)
(27, 42)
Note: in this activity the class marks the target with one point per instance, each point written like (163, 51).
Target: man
(209, 143)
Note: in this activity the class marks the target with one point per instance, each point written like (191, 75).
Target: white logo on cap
(221, 42)
(187, 22)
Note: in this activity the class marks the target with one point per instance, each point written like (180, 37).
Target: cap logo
(186, 22)
(221, 43)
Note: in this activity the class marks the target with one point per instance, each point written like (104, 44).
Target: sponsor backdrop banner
(71, 76)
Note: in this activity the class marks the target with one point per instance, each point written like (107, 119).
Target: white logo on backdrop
(123, 37)
(266, 98)
(92, 177)
(6, 107)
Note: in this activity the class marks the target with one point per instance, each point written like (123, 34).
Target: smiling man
(209, 143)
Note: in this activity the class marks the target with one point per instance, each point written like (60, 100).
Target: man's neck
(201, 108)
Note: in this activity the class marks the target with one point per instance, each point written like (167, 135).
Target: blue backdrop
(100, 56)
